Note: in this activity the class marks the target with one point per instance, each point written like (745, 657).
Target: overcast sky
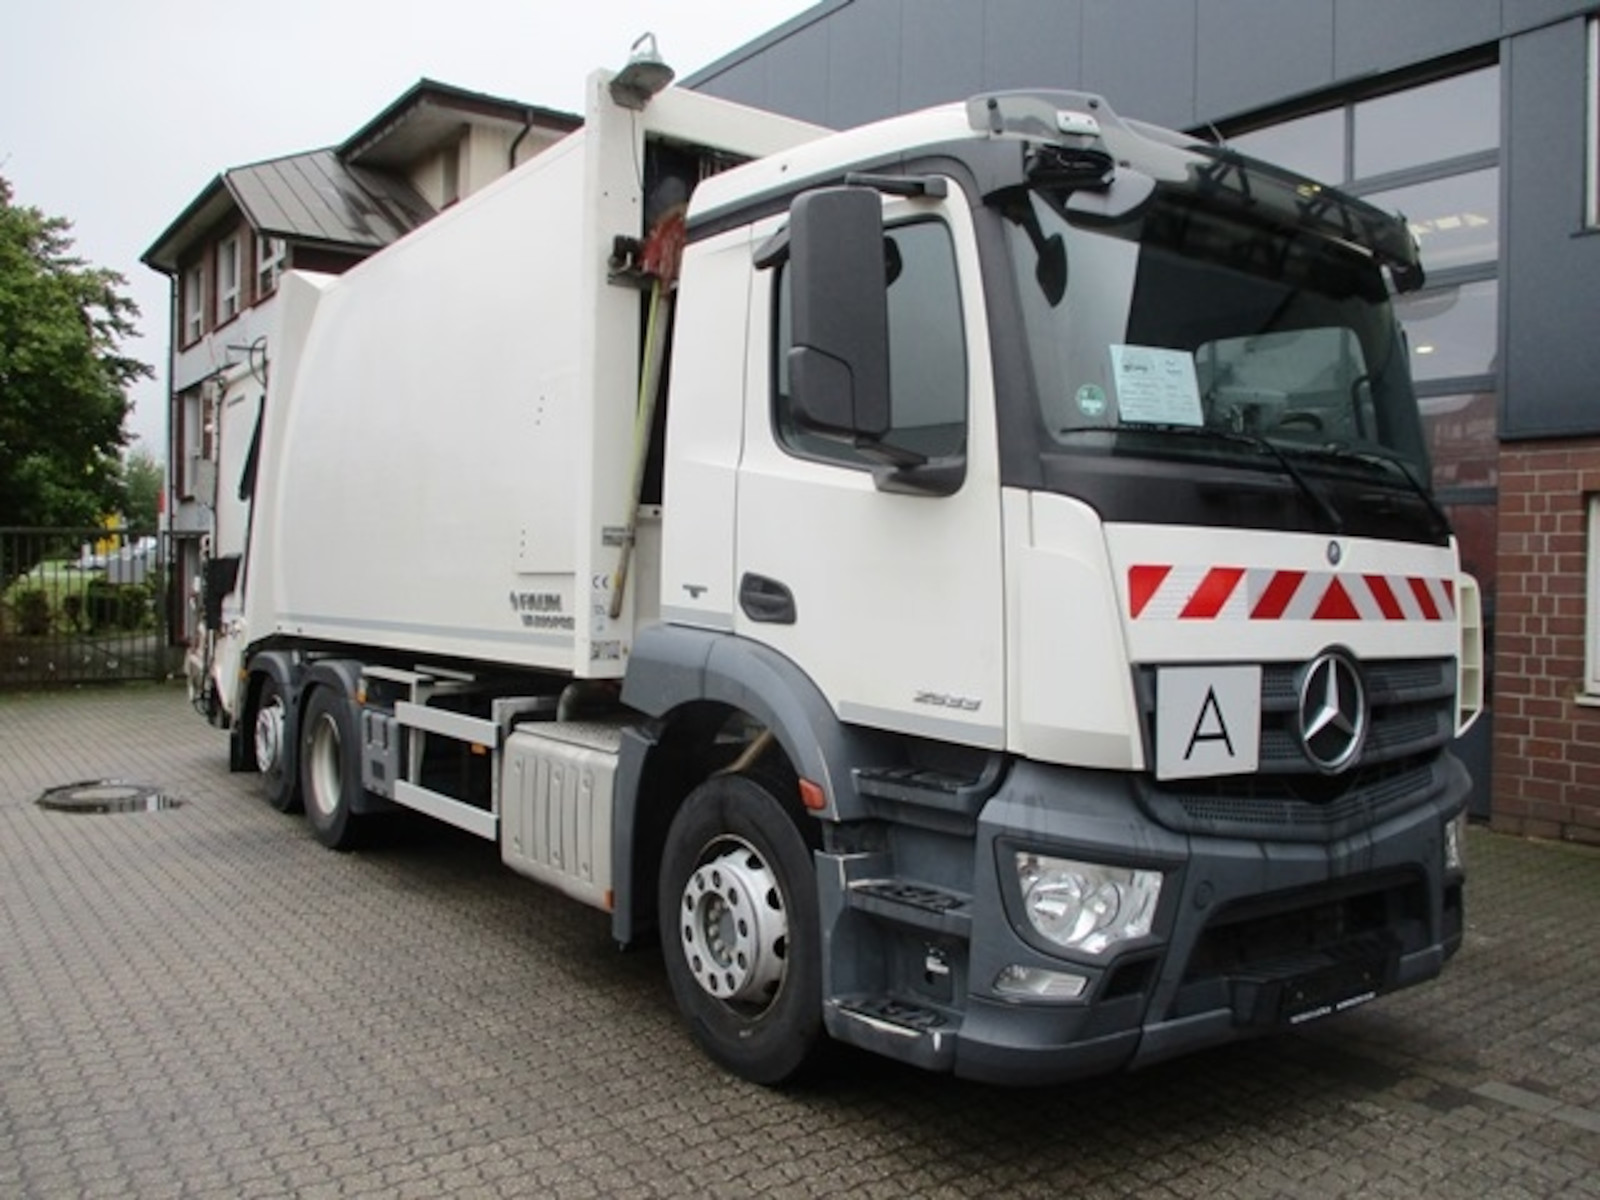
(116, 113)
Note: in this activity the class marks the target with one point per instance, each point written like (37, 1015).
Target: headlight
(1086, 906)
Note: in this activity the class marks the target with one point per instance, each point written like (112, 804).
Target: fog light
(1086, 906)
(1455, 843)
(1035, 983)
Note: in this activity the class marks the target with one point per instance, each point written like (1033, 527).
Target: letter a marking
(1219, 733)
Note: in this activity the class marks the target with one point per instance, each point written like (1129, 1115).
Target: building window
(270, 252)
(228, 280)
(1456, 220)
(187, 419)
(1592, 208)
(1591, 657)
(194, 303)
(1431, 151)
(1314, 145)
(1451, 118)
(210, 420)
(1453, 331)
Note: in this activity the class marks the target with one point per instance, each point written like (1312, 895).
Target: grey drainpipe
(527, 128)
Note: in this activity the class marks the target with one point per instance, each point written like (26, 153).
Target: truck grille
(1412, 719)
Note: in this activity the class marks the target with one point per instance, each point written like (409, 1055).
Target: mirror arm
(933, 477)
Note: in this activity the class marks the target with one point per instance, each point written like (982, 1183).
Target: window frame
(797, 444)
(271, 252)
(1361, 106)
(1591, 208)
(228, 289)
(193, 303)
(1591, 632)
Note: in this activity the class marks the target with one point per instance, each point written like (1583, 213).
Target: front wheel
(330, 769)
(274, 752)
(740, 929)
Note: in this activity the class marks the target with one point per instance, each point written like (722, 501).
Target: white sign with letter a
(1208, 721)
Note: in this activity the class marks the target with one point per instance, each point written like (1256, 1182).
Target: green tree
(141, 482)
(63, 378)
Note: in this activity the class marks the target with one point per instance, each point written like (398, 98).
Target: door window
(927, 353)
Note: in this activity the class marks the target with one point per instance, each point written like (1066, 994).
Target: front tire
(274, 749)
(740, 929)
(330, 769)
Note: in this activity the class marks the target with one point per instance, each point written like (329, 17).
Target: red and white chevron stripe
(1159, 592)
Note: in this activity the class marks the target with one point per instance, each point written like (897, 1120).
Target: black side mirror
(839, 356)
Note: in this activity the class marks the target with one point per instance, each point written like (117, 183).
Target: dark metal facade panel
(1251, 54)
(865, 50)
(1189, 62)
(1032, 43)
(1551, 281)
(942, 58)
(745, 82)
(1520, 16)
(1370, 36)
(1139, 54)
(800, 74)
(1179, 62)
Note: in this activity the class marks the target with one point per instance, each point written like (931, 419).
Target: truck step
(918, 905)
(933, 799)
(897, 1029)
(912, 783)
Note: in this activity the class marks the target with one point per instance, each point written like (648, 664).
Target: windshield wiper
(1388, 462)
(1319, 503)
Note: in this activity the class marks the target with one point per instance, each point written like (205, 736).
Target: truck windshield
(1183, 319)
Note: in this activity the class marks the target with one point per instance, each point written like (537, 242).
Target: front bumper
(1252, 935)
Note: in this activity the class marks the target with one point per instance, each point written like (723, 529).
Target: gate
(83, 605)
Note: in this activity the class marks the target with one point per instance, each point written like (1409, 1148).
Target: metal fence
(83, 605)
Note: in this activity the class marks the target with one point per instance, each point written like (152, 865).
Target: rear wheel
(273, 750)
(330, 769)
(740, 929)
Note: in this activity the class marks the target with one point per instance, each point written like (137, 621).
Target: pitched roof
(317, 197)
(347, 195)
(430, 114)
(305, 197)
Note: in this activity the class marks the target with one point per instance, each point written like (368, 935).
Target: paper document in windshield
(1156, 386)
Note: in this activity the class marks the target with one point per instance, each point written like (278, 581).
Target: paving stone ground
(203, 1002)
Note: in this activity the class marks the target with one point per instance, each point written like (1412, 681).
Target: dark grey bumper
(1252, 935)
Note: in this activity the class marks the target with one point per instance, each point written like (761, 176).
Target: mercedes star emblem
(1333, 712)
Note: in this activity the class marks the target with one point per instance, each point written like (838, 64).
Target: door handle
(766, 601)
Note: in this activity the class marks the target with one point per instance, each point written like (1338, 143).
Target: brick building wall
(1547, 738)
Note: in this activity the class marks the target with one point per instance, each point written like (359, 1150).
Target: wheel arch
(343, 674)
(690, 682)
(283, 668)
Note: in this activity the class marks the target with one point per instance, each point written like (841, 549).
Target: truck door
(891, 602)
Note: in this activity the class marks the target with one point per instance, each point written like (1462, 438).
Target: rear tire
(740, 928)
(274, 749)
(330, 769)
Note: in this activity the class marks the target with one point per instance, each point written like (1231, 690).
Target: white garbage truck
(968, 585)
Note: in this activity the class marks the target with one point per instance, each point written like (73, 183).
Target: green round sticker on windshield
(1092, 400)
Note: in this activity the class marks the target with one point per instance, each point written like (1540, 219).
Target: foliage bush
(32, 606)
(114, 606)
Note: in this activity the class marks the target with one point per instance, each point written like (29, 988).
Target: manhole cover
(106, 796)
